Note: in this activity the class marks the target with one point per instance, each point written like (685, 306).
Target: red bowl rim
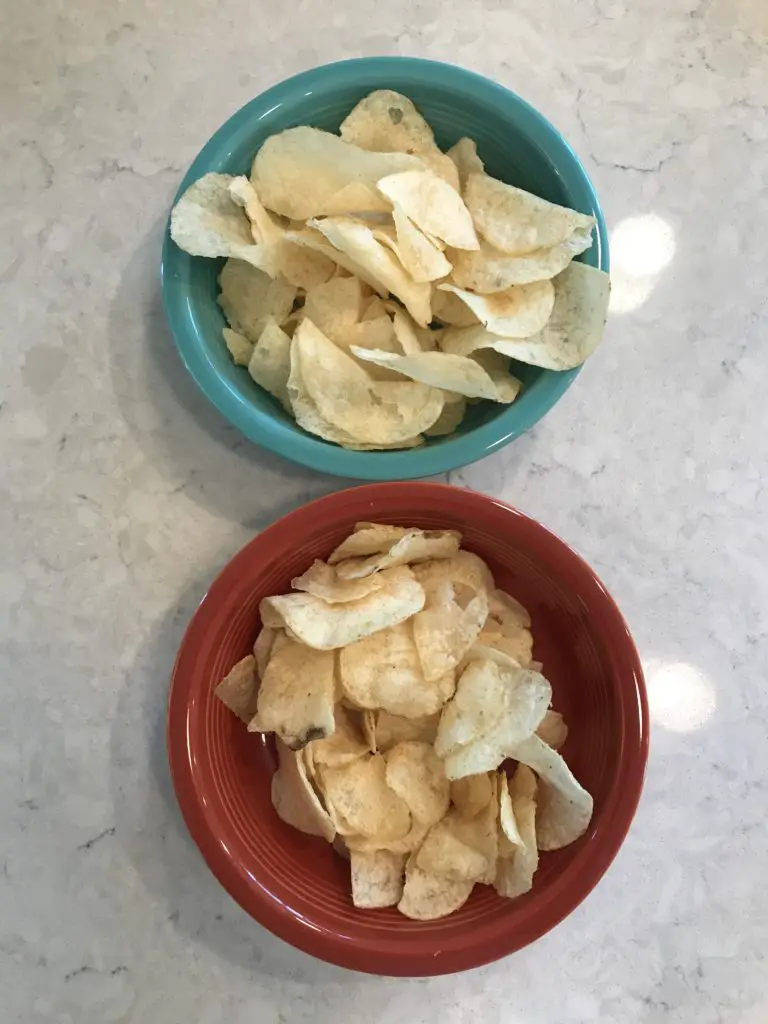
(583, 874)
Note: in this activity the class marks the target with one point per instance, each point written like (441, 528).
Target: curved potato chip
(297, 695)
(490, 271)
(389, 730)
(565, 807)
(264, 229)
(518, 646)
(372, 412)
(383, 671)
(207, 221)
(514, 873)
(303, 267)
(300, 172)
(553, 731)
(312, 239)
(449, 309)
(472, 794)
(262, 650)
(461, 849)
(410, 842)
(381, 267)
(428, 897)
(250, 299)
(367, 539)
(416, 774)
(518, 222)
(509, 833)
(444, 631)
(464, 155)
(433, 205)
(465, 569)
(519, 312)
(449, 419)
(377, 878)
(368, 720)
(458, 374)
(508, 611)
(329, 626)
(238, 346)
(321, 581)
(334, 306)
(343, 746)
(359, 793)
(294, 797)
(237, 690)
(270, 363)
(414, 546)
(420, 257)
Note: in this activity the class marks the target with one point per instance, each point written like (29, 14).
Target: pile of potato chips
(397, 680)
(375, 285)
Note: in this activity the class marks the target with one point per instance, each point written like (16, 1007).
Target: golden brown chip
(358, 791)
(472, 794)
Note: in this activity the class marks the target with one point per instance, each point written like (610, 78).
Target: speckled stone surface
(122, 492)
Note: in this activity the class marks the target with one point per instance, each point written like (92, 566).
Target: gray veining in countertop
(122, 492)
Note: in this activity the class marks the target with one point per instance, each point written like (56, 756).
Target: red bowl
(296, 885)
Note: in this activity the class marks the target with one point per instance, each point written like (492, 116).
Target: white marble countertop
(123, 492)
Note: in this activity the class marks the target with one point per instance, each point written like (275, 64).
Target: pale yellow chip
(250, 299)
(466, 569)
(358, 791)
(299, 172)
(238, 346)
(237, 690)
(389, 730)
(464, 156)
(460, 849)
(445, 629)
(262, 649)
(383, 671)
(449, 309)
(509, 833)
(367, 539)
(449, 419)
(427, 897)
(322, 581)
(489, 270)
(420, 256)
(432, 205)
(472, 794)
(371, 412)
(518, 647)
(416, 774)
(454, 373)
(380, 267)
(412, 547)
(553, 730)
(515, 871)
(334, 306)
(377, 878)
(344, 745)
(518, 222)
(294, 797)
(297, 695)
(270, 362)
(329, 626)
(564, 807)
(519, 312)
(206, 221)
(264, 229)
(373, 308)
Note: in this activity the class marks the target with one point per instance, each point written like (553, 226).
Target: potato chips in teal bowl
(398, 199)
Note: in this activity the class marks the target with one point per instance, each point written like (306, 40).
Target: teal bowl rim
(314, 453)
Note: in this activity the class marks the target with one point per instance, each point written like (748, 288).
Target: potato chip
(449, 309)
(343, 746)
(367, 539)
(359, 792)
(237, 690)
(444, 630)
(416, 774)
(264, 229)
(381, 268)
(354, 199)
(518, 222)
(389, 730)
(420, 257)
(517, 647)
(304, 267)
(368, 720)
(509, 833)
(297, 695)
(414, 546)
(409, 842)
(449, 419)
(514, 873)
(472, 794)
(334, 306)
(565, 808)
(373, 308)
(428, 897)
(489, 270)
(458, 374)
(464, 156)
(373, 412)
(553, 731)
(433, 205)
(508, 611)
(270, 362)
(300, 171)
(460, 849)
(250, 299)
(314, 240)
(519, 312)
(207, 221)
(383, 671)
(377, 878)
(465, 569)
(262, 649)
(329, 626)
(238, 346)
(294, 797)
(321, 581)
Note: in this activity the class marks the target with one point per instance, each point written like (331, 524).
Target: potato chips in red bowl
(407, 729)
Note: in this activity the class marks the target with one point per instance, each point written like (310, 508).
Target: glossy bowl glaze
(517, 144)
(296, 885)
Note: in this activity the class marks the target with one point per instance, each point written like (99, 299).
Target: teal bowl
(518, 146)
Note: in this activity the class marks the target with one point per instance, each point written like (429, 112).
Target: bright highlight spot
(641, 247)
(680, 697)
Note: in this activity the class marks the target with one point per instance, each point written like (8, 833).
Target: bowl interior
(295, 884)
(517, 145)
